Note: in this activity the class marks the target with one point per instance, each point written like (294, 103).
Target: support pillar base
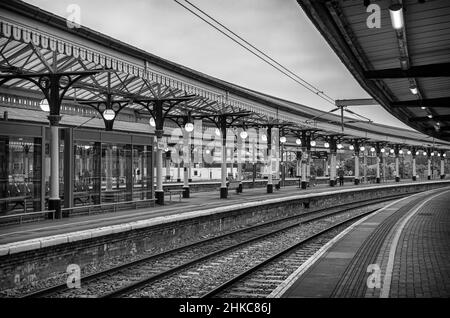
(159, 196)
(442, 176)
(429, 178)
(189, 180)
(240, 188)
(356, 181)
(397, 179)
(332, 183)
(54, 204)
(304, 184)
(223, 193)
(270, 188)
(414, 178)
(378, 180)
(178, 180)
(186, 192)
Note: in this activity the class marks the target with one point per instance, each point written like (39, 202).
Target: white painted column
(414, 173)
(397, 169)
(333, 169)
(54, 163)
(429, 168)
(223, 175)
(378, 169)
(442, 167)
(356, 167)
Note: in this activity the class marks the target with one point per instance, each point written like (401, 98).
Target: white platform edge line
(394, 244)
(284, 286)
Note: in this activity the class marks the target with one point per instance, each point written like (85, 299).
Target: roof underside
(374, 55)
(35, 41)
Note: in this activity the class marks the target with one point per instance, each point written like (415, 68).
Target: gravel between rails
(200, 278)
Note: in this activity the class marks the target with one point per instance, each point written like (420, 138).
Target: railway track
(126, 278)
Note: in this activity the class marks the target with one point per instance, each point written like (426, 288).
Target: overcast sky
(277, 27)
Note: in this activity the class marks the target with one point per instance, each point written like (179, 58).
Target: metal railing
(106, 206)
(21, 216)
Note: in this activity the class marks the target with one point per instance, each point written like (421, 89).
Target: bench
(22, 200)
(174, 191)
(82, 197)
(234, 184)
(277, 184)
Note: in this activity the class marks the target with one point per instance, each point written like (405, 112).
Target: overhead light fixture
(444, 155)
(432, 153)
(298, 141)
(409, 152)
(189, 127)
(383, 150)
(417, 153)
(392, 151)
(423, 107)
(351, 147)
(217, 131)
(413, 89)
(152, 122)
(264, 137)
(282, 139)
(401, 152)
(430, 116)
(109, 114)
(326, 145)
(439, 154)
(313, 143)
(243, 134)
(404, 63)
(396, 13)
(44, 105)
(339, 146)
(362, 148)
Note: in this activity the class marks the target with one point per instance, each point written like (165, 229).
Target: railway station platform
(197, 202)
(41, 251)
(401, 251)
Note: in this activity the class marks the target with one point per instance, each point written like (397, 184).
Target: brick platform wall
(25, 268)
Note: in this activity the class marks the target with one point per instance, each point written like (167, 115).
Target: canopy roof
(34, 41)
(389, 63)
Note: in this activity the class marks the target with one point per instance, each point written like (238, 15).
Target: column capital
(159, 133)
(54, 119)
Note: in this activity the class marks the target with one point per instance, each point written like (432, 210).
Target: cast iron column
(378, 154)
(159, 126)
(333, 150)
(429, 164)
(223, 185)
(442, 164)
(186, 162)
(54, 201)
(413, 153)
(397, 166)
(269, 158)
(356, 145)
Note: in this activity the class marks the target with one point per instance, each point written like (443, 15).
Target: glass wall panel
(20, 174)
(84, 174)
